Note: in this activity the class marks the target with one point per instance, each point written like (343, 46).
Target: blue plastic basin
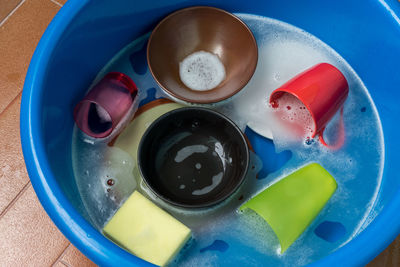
(86, 34)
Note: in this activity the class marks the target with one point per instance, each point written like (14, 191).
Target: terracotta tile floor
(27, 235)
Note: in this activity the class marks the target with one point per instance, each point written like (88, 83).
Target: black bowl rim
(208, 204)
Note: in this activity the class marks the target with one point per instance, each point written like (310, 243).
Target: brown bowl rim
(193, 101)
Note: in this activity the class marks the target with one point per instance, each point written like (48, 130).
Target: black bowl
(193, 157)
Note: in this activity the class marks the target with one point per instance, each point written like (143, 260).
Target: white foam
(279, 60)
(293, 123)
(201, 71)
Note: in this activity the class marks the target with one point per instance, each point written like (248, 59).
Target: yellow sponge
(146, 230)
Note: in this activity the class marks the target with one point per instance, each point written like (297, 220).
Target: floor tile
(60, 264)
(13, 175)
(29, 237)
(389, 257)
(8, 92)
(74, 258)
(19, 36)
(61, 2)
(6, 7)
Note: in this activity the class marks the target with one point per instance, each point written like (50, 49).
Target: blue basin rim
(363, 248)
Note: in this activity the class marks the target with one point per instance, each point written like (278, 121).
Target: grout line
(8, 207)
(60, 256)
(66, 263)
(57, 3)
(11, 103)
(11, 13)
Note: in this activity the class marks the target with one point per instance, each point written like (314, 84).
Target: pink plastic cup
(103, 108)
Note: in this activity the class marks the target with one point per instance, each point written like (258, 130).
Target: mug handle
(340, 141)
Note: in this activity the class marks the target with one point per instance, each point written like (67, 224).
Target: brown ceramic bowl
(207, 29)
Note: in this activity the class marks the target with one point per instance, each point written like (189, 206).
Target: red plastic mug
(322, 89)
(103, 108)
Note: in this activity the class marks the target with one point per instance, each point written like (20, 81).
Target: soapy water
(284, 51)
(330, 231)
(201, 71)
(103, 187)
(217, 245)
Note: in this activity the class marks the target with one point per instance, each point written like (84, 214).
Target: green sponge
(147, 231)
(290, 205)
